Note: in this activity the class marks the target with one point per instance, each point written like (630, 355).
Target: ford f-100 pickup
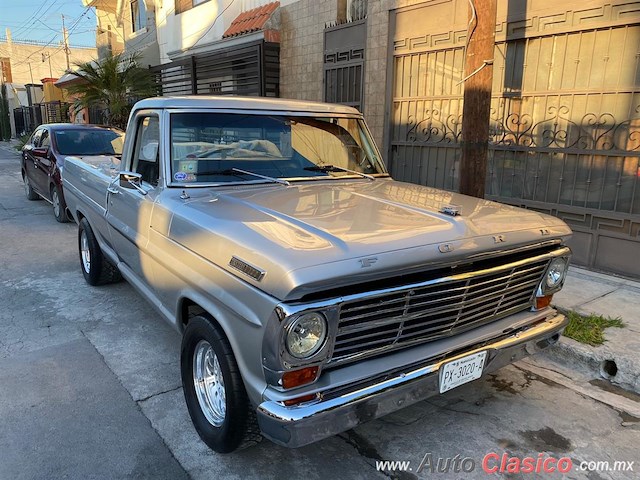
(313, 292)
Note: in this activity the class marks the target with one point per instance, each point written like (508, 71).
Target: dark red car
(44, 153)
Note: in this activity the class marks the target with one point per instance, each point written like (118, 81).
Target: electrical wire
(69, 31)
(26, 28)
(23, 24)
(474, 18)
(474, 21)
(210, 26)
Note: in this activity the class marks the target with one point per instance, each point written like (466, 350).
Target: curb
(600, 361)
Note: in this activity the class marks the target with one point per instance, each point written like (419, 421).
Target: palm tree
(112, 83)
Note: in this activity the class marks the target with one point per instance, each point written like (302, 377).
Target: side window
(45, 141)
(146, 155)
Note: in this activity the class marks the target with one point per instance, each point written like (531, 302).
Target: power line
(32, 23)
(210, 26)
(44, 3)
(71, 29)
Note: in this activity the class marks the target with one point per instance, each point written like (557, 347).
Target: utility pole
(476, 108)
(65, 38)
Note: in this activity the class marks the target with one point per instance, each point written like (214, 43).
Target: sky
(41, 20)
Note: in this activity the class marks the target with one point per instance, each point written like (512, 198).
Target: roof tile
(251, 21)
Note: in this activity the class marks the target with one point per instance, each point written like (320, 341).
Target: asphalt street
(90, 388)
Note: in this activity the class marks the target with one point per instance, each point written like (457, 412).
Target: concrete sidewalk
(618, 359)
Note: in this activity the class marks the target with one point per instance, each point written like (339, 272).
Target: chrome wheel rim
(84, 252)
(27, 187)
(56, 203)
(209, 383)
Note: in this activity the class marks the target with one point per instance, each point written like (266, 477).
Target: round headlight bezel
(555, 275)
(299, 322)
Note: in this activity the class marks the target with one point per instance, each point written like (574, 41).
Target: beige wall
(23, 55)
(303, 23)
(109, 35)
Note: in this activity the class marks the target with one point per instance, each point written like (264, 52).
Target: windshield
(89, 142)
(212, 147)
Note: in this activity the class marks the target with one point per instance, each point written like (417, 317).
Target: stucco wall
(192, 31)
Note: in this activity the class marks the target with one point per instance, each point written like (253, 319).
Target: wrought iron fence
(564, 138)
(27, 119)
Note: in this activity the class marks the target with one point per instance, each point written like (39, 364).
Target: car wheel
(59, 206)
(97, 270)
(31, 193)
(213, 389)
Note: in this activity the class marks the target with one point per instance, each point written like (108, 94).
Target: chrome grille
(434, 309)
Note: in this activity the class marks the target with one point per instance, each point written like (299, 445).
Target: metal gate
(565, 129)
(344, 51)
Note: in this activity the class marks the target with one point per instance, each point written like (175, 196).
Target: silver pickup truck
(313, 292)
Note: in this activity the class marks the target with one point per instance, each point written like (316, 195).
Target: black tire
(31, 193)
(239, 429)
(59, 205)
(98, 270)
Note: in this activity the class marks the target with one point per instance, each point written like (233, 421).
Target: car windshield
(89, 142)
(212, 147)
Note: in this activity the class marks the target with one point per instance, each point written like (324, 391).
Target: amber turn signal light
(543, 302)
(295, 378)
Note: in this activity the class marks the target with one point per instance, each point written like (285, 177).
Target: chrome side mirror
(132, 181)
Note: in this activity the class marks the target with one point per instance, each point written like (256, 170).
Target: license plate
(461, 371)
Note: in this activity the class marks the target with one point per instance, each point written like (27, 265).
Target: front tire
(59, 205)
(213, 389)
(96, 269)
(28, 190)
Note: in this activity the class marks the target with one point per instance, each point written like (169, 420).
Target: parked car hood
(322, 234)
(107, 164)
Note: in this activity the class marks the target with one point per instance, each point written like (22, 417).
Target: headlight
(306, 335)
(555, 275)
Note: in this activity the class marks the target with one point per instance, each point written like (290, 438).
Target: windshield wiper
(335, 168)
(236, 171)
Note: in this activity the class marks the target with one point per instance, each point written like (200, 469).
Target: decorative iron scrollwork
(594, 131)
(432, 129)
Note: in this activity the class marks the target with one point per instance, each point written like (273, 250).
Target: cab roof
(244, 103)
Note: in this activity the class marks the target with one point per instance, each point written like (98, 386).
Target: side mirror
(40, 152)
(131, 181)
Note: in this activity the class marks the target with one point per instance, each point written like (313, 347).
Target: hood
(317, 235)
(107, 164)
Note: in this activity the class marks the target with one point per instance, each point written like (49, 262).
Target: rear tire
(59, 205)
(213, 389)
(96, 269)
(31, 193)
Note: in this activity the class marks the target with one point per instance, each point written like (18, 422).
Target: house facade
(29, 70)
(127, 25)
(565, 117)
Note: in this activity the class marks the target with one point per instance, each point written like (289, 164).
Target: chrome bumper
(300, 425)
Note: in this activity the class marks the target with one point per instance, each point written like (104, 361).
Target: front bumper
(300, 425)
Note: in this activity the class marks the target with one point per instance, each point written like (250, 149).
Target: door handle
(113, 190)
